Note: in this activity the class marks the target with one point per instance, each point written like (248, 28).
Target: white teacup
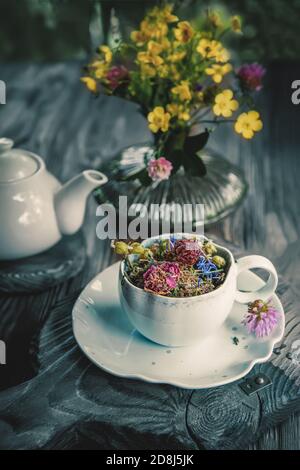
(182, 321)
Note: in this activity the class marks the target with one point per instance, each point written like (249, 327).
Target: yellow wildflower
(164, 14)
(106, 53)
(178, 110)
(236, 24)
(248, 123)
(208, 49)
(182, 90)
(177, 56)
(139, 37)
(218, 71)
(100, 71)
(90, 83)
(148, 58)
(147, 28)
(222, 55)
(154, 47)
(167, 14)
(165, 43)
(215, 19)
(224, 104)
(163, 71)
(184, 32)
(174, 73)
(152, 54)
(147, 71)
(154, 30)
(158, 119)
(99, 68)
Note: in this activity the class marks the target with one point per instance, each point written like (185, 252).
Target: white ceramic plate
(106, 336)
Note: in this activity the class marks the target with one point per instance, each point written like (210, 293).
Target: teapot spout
(70, 200)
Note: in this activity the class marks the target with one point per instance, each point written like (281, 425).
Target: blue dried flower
(172, 241)
(208, 269)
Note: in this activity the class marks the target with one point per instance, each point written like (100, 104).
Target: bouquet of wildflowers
(183, 80)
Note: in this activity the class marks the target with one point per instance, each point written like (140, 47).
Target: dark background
(52, 30)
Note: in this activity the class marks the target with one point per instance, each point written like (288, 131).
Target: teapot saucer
(106, 336)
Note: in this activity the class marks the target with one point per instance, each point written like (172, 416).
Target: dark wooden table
(50, 113)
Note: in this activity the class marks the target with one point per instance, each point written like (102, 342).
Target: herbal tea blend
(174, 267)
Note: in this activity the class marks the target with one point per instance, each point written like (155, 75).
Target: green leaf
(176, 157)
(132, 176)
(194, 165)
(144, 178)
(195, 143)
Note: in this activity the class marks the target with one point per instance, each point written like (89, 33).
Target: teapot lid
(16, 164)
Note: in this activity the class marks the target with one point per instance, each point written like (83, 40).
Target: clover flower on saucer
(261, 318)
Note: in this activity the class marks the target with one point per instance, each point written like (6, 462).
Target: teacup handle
(265, 292)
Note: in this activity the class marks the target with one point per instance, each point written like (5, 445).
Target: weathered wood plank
(70, 397)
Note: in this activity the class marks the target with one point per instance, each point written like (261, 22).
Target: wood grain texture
(75, 403)
(68, 403)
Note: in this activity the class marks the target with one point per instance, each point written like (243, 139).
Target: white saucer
(106, 336)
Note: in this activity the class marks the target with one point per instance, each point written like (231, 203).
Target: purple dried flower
(116, 75)
(198, 87)
(261, 318)
(171, 268)
(251, 76)
(187, 251)
(161, 278)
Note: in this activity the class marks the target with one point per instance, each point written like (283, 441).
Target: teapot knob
(5, 144)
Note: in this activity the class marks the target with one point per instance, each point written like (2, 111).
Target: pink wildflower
(116, 75)
(159, 169)
(251, 76)
(161, 278)
(261, 318)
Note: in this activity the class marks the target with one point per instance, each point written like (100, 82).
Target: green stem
(215, 121)
(223, 33)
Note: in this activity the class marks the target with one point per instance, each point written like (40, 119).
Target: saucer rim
(180, 384)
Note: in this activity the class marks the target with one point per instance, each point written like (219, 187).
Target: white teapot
(35, 209)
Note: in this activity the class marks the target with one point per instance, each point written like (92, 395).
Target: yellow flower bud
(219, 261)
(210, 248)
(121, 248)
(137, 249)
(90, 83)
(236, 24)
(147, 253)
